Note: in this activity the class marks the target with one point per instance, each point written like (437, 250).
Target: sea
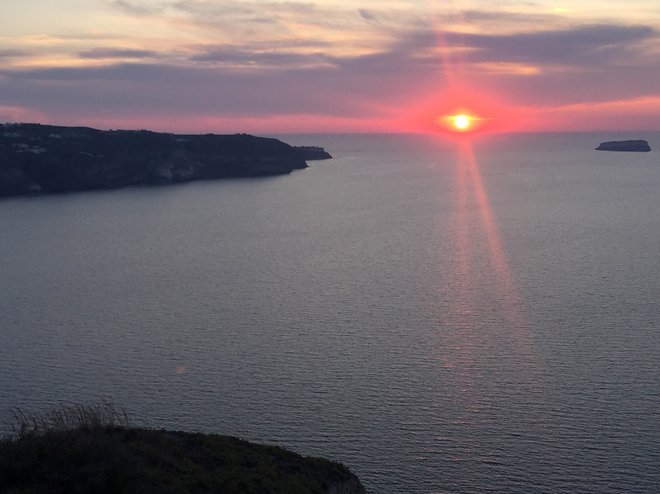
(473, 315)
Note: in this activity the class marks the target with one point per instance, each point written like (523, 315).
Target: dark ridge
(38, 158)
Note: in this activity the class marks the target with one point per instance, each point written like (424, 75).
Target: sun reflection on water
(486, 331)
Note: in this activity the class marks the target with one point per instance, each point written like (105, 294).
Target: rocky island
(639, 146)
(38, 158)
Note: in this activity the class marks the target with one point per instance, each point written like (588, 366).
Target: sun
(461, 122)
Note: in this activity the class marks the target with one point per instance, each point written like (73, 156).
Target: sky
(331, 65)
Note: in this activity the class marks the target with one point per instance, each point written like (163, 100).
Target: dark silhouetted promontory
(312, 153)
(44, 158)
(639, 146)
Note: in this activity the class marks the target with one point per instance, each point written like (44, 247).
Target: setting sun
(461, 122)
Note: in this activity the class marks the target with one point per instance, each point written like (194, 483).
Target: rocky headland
(639, 146)
(311, 153)
(37, 159)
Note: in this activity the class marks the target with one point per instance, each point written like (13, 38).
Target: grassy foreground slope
(120, 459)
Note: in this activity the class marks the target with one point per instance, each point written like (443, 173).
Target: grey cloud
(585, 44)
(117, 53)
(480, 16)
(602, 61)
(129, 72)
(276, 18)
(348, 86)
(212, 11)
(136, 10)
(594, 44)
(367, 14)
(275, 59)
(12, 53)
(233, 7)
(164, 89)
(581, 47)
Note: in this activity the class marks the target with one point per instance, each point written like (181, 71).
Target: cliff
(127, 460)
(43, 158)
(635, 146)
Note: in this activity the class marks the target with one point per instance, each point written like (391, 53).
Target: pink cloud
(20, 114)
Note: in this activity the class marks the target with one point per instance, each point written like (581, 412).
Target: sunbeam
(483, 286)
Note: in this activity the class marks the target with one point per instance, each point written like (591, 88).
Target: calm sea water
(440, 317)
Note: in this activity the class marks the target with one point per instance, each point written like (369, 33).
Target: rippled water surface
(441, 317)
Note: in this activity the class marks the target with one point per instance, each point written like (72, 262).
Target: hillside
(38, 158)
(129, 460)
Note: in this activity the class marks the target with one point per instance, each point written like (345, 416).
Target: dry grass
(68, 418)
(88, 450)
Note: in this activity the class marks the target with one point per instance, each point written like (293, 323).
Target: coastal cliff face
(43, 158)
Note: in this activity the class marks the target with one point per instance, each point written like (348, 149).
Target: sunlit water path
(440, 317)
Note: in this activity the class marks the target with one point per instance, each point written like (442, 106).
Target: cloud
(20, 114)
(101, 53)
(286, 81)
(226, 14)
(592, 44)
(174, 89)
(506, 18)
(639, 113)
(131, 8)
(230, 8)
(306, 22)
(12, 53)
(241, 58)
(367, 14)
(289, 70)
(573, 45)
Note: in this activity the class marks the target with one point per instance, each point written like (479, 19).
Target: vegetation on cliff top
(93, 450)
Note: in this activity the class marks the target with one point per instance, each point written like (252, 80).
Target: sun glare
(465, 114)
(459, 122)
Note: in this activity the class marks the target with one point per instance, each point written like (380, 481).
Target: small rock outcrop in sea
(634, 146)
(38, 158)
(313, 153)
